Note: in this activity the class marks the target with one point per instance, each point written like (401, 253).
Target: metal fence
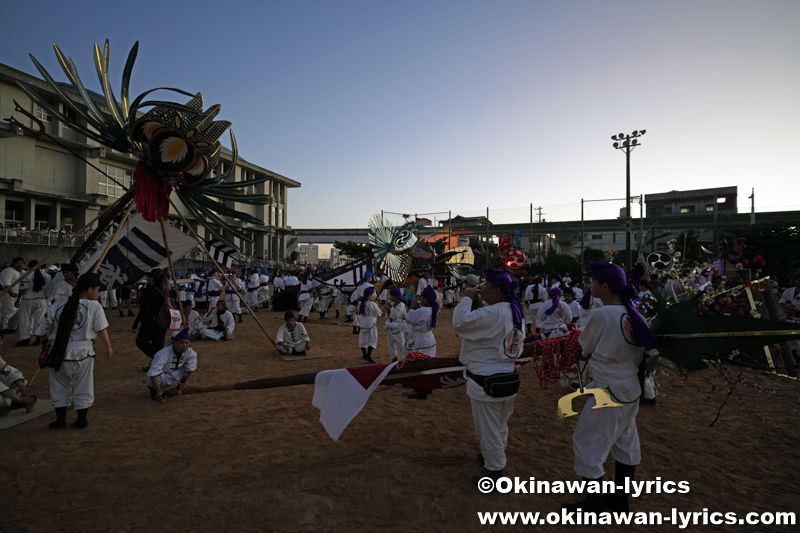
(40, 238)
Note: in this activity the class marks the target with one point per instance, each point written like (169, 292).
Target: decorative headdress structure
(177, 145)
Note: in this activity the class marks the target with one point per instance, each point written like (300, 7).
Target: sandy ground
(260, 460)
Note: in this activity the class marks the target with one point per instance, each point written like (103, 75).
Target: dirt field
(260, 460)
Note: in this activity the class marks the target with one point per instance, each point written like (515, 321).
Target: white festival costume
(395, 332)
(216, 322)
(490, 345)
(74, 381)
(614, 364)
(295, 339)
(368, 335)
(171, 368)
(421, 337)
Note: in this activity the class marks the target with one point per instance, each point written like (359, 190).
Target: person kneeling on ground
(13, 388)
(292, 338)
(220, 323)
(192, 320)
(172, 365)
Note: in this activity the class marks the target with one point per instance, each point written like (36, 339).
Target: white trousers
(323, 304)
(368, 337)
(491, 426)
(30, 311)
(212, 302)
(424, 343)
(167, 379)
(73, 384)
(8, 313)
(212, 334)
(251, 297)
(305, 307)
(112, 298)
(600, 431)
(233, 304)
(397, 345)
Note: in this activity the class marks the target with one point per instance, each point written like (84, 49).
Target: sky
(455, 106)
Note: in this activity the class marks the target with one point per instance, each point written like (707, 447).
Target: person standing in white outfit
(535, 296)
(368, 330)
(36, 289)
(614, 339)
(422, 317)
(553, 314)
(306, 299)
(395, 325)
(71, 327)
(491, 342)
(8, 308)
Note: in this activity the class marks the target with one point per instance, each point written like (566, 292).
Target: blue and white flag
(138, 248)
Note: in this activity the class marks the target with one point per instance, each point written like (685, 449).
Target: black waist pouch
(498, 385)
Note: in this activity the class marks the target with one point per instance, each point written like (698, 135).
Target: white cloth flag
(341, 394)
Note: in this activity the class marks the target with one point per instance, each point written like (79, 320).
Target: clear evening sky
(430, 106)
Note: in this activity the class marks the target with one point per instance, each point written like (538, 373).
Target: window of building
(709, 207)
(687, 209)
(41, 217)
(122, 177)
(42, 114)
(614, 238)
(597, 237)
(15, 213)
(668, 210)
(280, 223)
(67, 218)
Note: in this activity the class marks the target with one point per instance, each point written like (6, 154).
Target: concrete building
(678, 203)
(42, 184)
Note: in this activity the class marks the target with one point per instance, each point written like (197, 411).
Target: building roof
(688, 195)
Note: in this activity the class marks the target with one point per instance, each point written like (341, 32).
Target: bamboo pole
(51, 254)
(172, 272)
(112, 239)
(230, 283)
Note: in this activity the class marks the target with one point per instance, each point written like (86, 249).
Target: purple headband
(616, 279)
(502, 280)
(397, 293)
(367, 292)
(429, 294)
(555, 294)
(182, 335)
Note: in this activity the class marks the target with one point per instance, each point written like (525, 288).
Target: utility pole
(530, 237)
(627, 143)
(583, 232)
(752, 206)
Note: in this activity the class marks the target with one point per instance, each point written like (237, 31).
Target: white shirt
(194, 322)
(394, 320)
(423, 282)
(305, 291)
(575, 309)
(614, 361)
(226, 320)
(562, 315)
(529, 296)
(27, 286)
(254, 281)
(583, 315)
(166, 361)
(277, 283)
(294, 338)
(263, 280)
(62, 291)
(370, 316)
(290, 281)
(488, 342)
(89, 321)
(577, 292)
(8, 276)
(215, 284)
(419, 319)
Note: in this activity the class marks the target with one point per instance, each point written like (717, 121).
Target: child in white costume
(395, 325)
(368, 330)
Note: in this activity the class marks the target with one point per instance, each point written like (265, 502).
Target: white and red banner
(341, 394)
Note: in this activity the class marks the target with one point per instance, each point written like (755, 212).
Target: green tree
(590, 255)
(353, 250)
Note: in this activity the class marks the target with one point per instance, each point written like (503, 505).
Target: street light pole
(627, 143)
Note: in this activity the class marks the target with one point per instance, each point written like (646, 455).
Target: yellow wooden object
(601, 396)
